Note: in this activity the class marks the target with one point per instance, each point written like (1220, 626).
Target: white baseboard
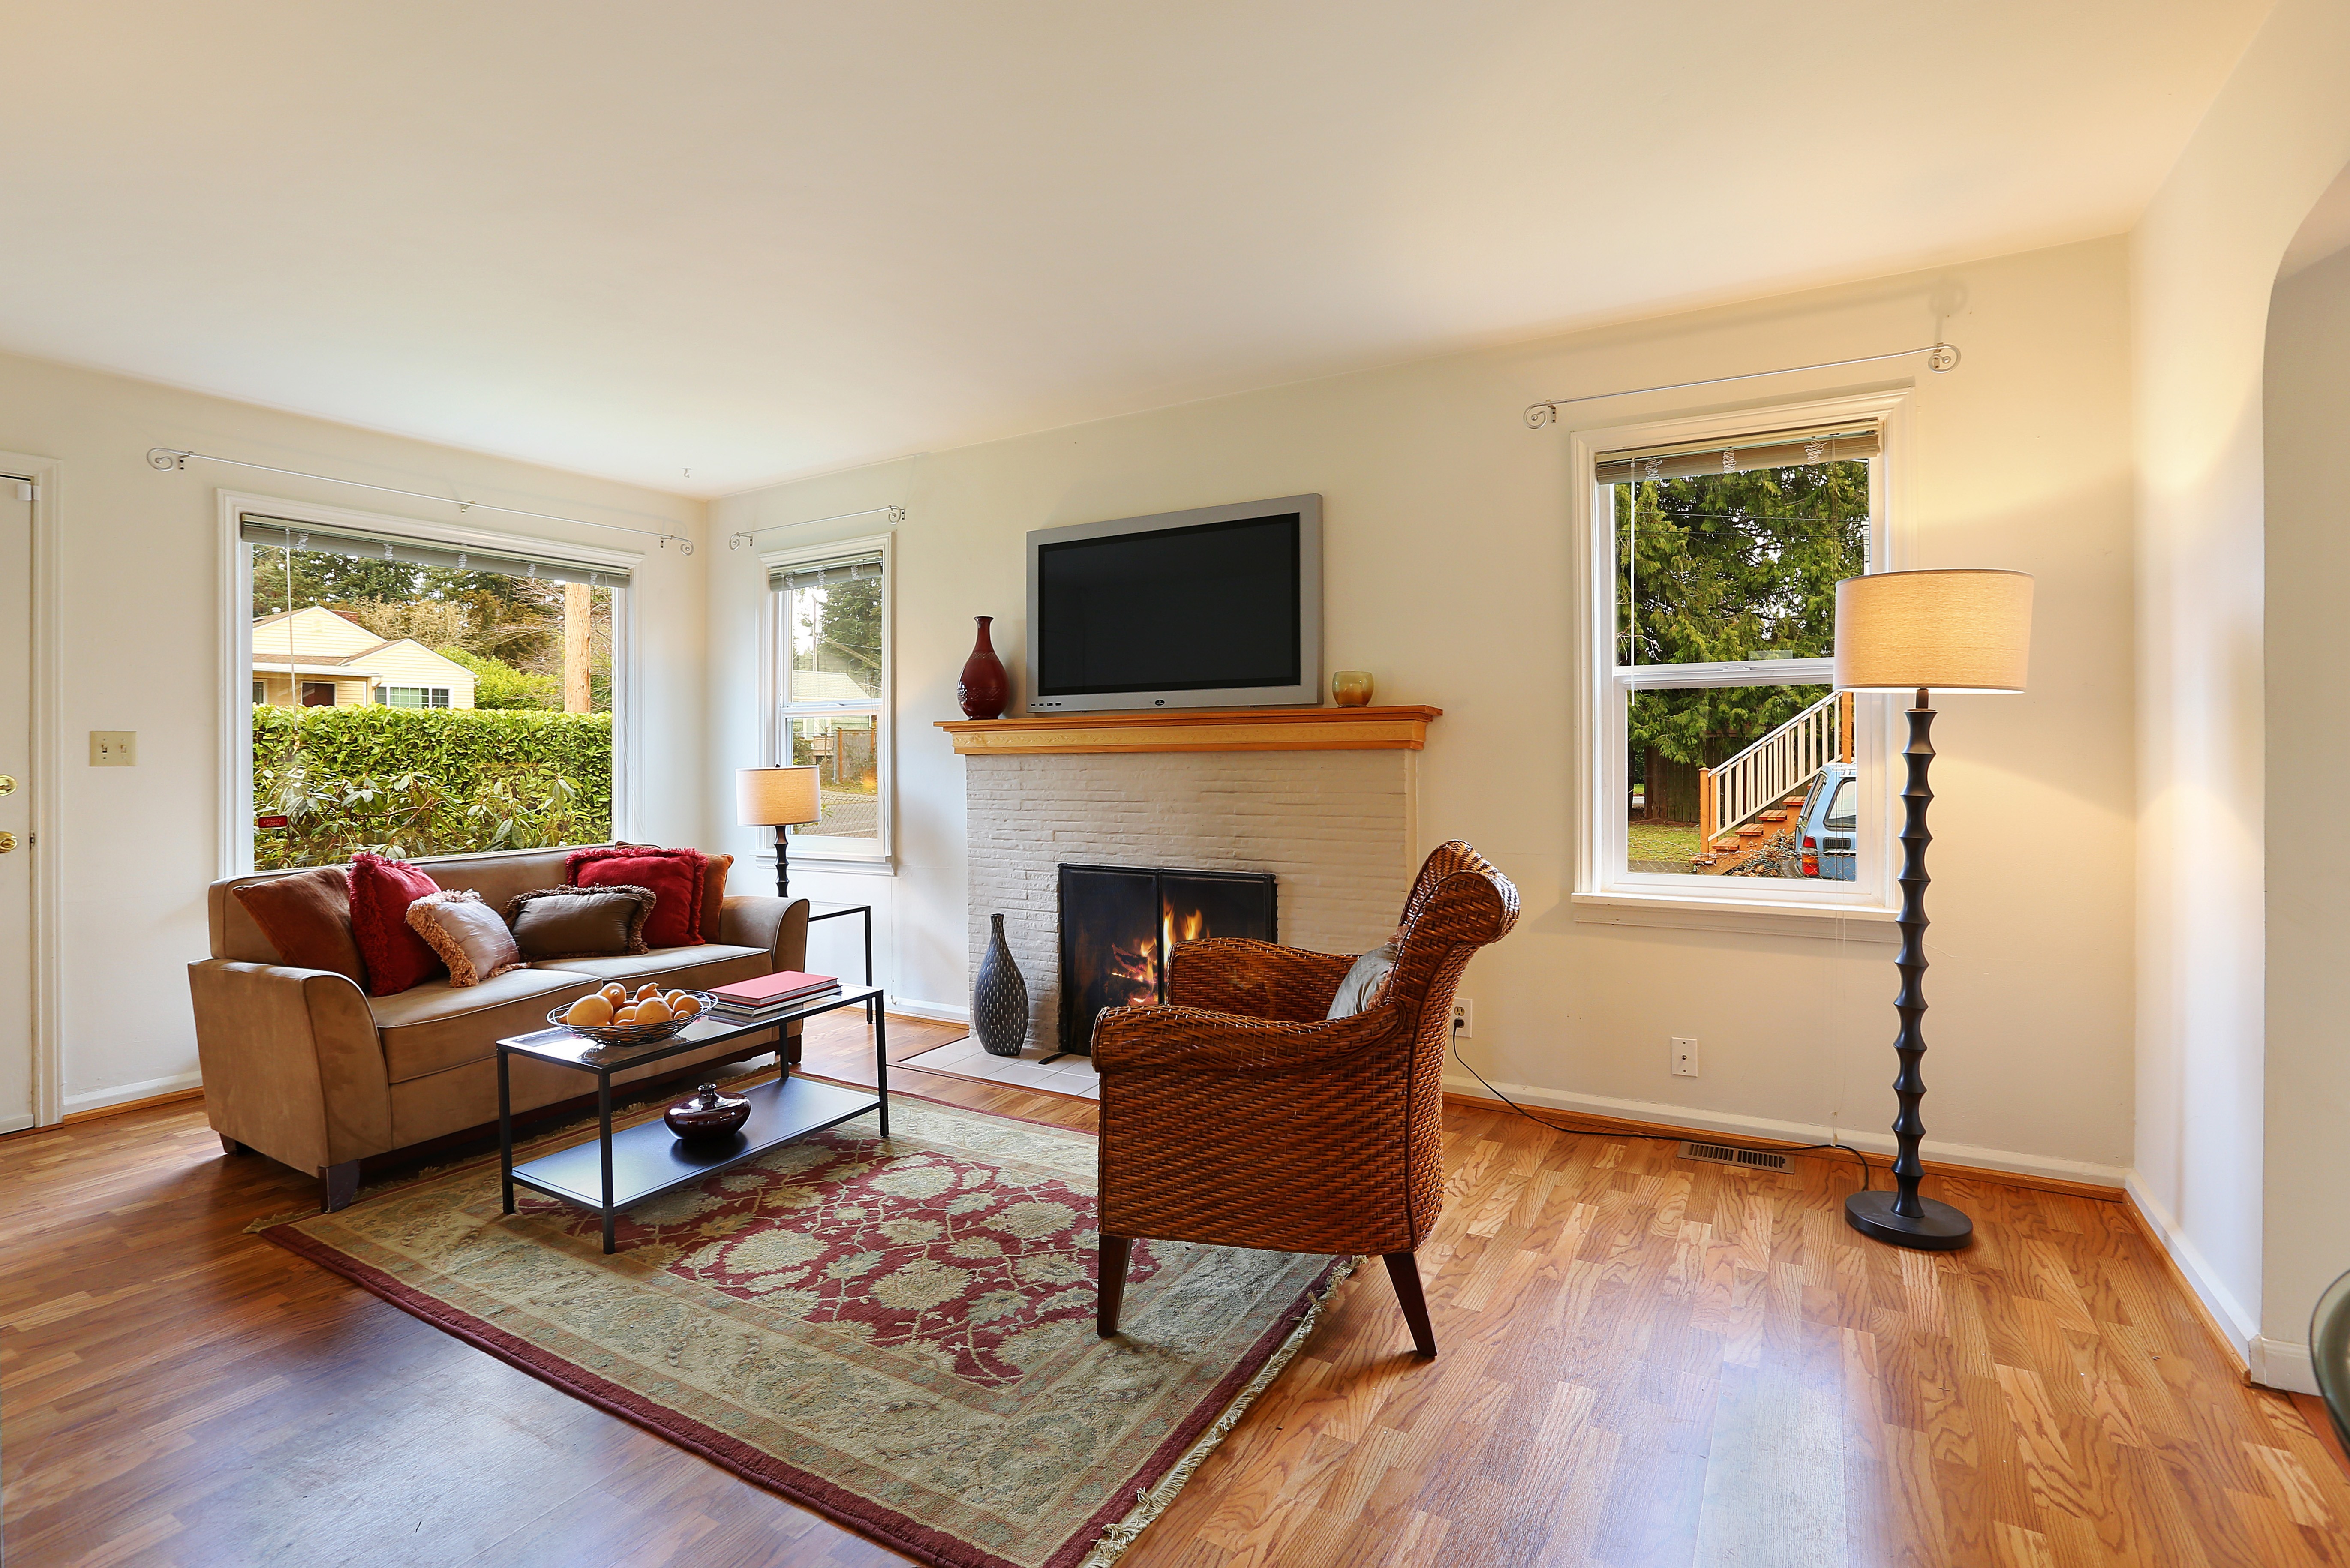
(945, 1013)
(2236, 1326)
(15, 1123)
(99, 1099)
(2281, 1364)
(1733, 1126)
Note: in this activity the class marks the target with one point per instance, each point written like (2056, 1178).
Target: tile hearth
(966, 1058)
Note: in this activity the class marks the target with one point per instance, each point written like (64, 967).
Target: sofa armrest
(291, 1061)
(778, 925)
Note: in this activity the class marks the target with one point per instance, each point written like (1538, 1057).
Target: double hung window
(832, 690)
(1725, 766)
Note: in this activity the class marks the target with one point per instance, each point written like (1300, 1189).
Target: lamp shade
(775, 797)
(1946, 630)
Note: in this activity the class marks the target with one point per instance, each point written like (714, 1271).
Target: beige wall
(2203, 261)
(1448, 576)
(2307, 432)
(141, 628)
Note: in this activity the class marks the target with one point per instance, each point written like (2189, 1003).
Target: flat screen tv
(1216, 608)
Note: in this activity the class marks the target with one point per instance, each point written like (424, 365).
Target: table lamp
(1922, 632)
(780, 798)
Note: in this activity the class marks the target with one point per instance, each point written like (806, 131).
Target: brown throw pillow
(713, 894)
(467, 935)
(580, 922)
(308, 918)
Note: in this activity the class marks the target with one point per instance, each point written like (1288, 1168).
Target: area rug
(898, 1334)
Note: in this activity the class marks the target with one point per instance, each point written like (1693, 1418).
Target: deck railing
(1772, 768)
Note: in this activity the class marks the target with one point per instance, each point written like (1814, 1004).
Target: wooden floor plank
(1645, 1361)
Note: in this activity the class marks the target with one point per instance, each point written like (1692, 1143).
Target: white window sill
(1775, 917)
(818, 861)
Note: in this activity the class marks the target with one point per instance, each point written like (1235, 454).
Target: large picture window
(1726, 765)
(414, 697)
(832, 690)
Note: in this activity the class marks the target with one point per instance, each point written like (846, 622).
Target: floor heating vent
(1720, 1154)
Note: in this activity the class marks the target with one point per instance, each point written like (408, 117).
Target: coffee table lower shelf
(649, 1160)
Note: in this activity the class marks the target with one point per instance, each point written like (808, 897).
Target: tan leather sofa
(304, 1066)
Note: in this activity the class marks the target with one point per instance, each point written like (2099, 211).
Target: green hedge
(426, 781)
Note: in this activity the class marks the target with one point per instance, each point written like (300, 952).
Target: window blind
(1773, 448)
(278, 533)
(804, 574)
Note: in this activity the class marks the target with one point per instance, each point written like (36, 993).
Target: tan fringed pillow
(465, 934)
(602, 921)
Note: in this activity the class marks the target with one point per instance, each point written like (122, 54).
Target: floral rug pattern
(923, 1252)
(898, 1333)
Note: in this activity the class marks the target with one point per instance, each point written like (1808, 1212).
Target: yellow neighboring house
(317, 659)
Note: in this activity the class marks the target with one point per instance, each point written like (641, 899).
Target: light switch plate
(114, 748)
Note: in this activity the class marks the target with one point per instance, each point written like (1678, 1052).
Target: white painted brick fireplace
(1337, 828)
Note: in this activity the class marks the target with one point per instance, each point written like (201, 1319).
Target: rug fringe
(1150, 1504)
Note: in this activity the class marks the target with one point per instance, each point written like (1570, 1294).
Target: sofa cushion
(715, 868)
(308, 918)
(694, 968)
(436, 1025)
(382, 890)
(675, 876)
(555, 923)
(470, 937)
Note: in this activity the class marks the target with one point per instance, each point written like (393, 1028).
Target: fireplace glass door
(1120, 923)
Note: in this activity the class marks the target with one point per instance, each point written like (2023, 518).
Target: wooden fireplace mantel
(1196, 730)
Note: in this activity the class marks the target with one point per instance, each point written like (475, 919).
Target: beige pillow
(465, 934)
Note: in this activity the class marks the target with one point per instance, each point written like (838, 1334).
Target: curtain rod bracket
(741, 537)
(1940, 359)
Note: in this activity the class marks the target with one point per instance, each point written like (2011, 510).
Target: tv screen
(1212, 607)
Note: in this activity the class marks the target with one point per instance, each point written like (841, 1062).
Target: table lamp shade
(775, 797)
(1944, 630)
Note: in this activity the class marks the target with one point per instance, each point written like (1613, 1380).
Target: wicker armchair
(1237, 1116)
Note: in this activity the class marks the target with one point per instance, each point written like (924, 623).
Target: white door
(15, 807)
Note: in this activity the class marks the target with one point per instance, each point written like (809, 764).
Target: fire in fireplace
(1120, 923)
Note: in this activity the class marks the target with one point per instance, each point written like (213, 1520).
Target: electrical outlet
(114, 748)
(1464, 1017)
(1684, 1057)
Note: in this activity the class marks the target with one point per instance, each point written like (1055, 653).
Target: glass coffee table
(639, 1162)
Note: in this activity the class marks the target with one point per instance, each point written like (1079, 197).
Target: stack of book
(769, 997)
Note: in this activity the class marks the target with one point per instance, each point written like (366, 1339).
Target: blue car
(1830, 826)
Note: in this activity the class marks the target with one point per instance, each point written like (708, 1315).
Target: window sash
(863, 560)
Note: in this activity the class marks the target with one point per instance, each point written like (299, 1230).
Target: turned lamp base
(1941, 1228)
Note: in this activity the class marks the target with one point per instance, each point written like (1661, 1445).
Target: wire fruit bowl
(612, 1034)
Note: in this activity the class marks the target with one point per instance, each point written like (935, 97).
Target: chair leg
(337, 1185)
(1403, 1268)
(1110, 1282)
(229, 1146)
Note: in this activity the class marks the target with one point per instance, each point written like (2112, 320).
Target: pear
(653, 1010)
(685, 1007)
(589, 1012)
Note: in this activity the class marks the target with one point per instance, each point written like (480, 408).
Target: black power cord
(1858, 1159)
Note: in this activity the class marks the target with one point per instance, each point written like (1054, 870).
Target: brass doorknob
(7, 784)
(7, 842)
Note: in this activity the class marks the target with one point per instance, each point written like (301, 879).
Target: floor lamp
(1923, 632)
(780, 798)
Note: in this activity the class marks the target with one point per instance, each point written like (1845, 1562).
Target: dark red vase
(985, 687)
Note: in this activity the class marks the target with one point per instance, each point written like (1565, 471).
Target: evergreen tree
(1715, 567)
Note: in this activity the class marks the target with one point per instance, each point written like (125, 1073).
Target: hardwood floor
(1645, 1361)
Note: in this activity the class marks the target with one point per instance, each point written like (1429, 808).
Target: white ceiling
(766, 238)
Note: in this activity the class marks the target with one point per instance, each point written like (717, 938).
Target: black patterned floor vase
(999, 1002)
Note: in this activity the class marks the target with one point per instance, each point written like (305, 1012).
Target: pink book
(769, 989)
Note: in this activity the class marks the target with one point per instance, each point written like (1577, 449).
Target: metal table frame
(785, 1109)
(864, 910)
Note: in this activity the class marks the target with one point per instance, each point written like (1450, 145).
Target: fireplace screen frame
(1070, 1032)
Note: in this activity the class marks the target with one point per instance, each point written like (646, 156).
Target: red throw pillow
(674, 876)
(382, 890)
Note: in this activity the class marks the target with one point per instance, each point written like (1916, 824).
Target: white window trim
(236, 646)
(1604, 894)
(836, 853)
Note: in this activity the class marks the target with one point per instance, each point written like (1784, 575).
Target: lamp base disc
(1941, 1228)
